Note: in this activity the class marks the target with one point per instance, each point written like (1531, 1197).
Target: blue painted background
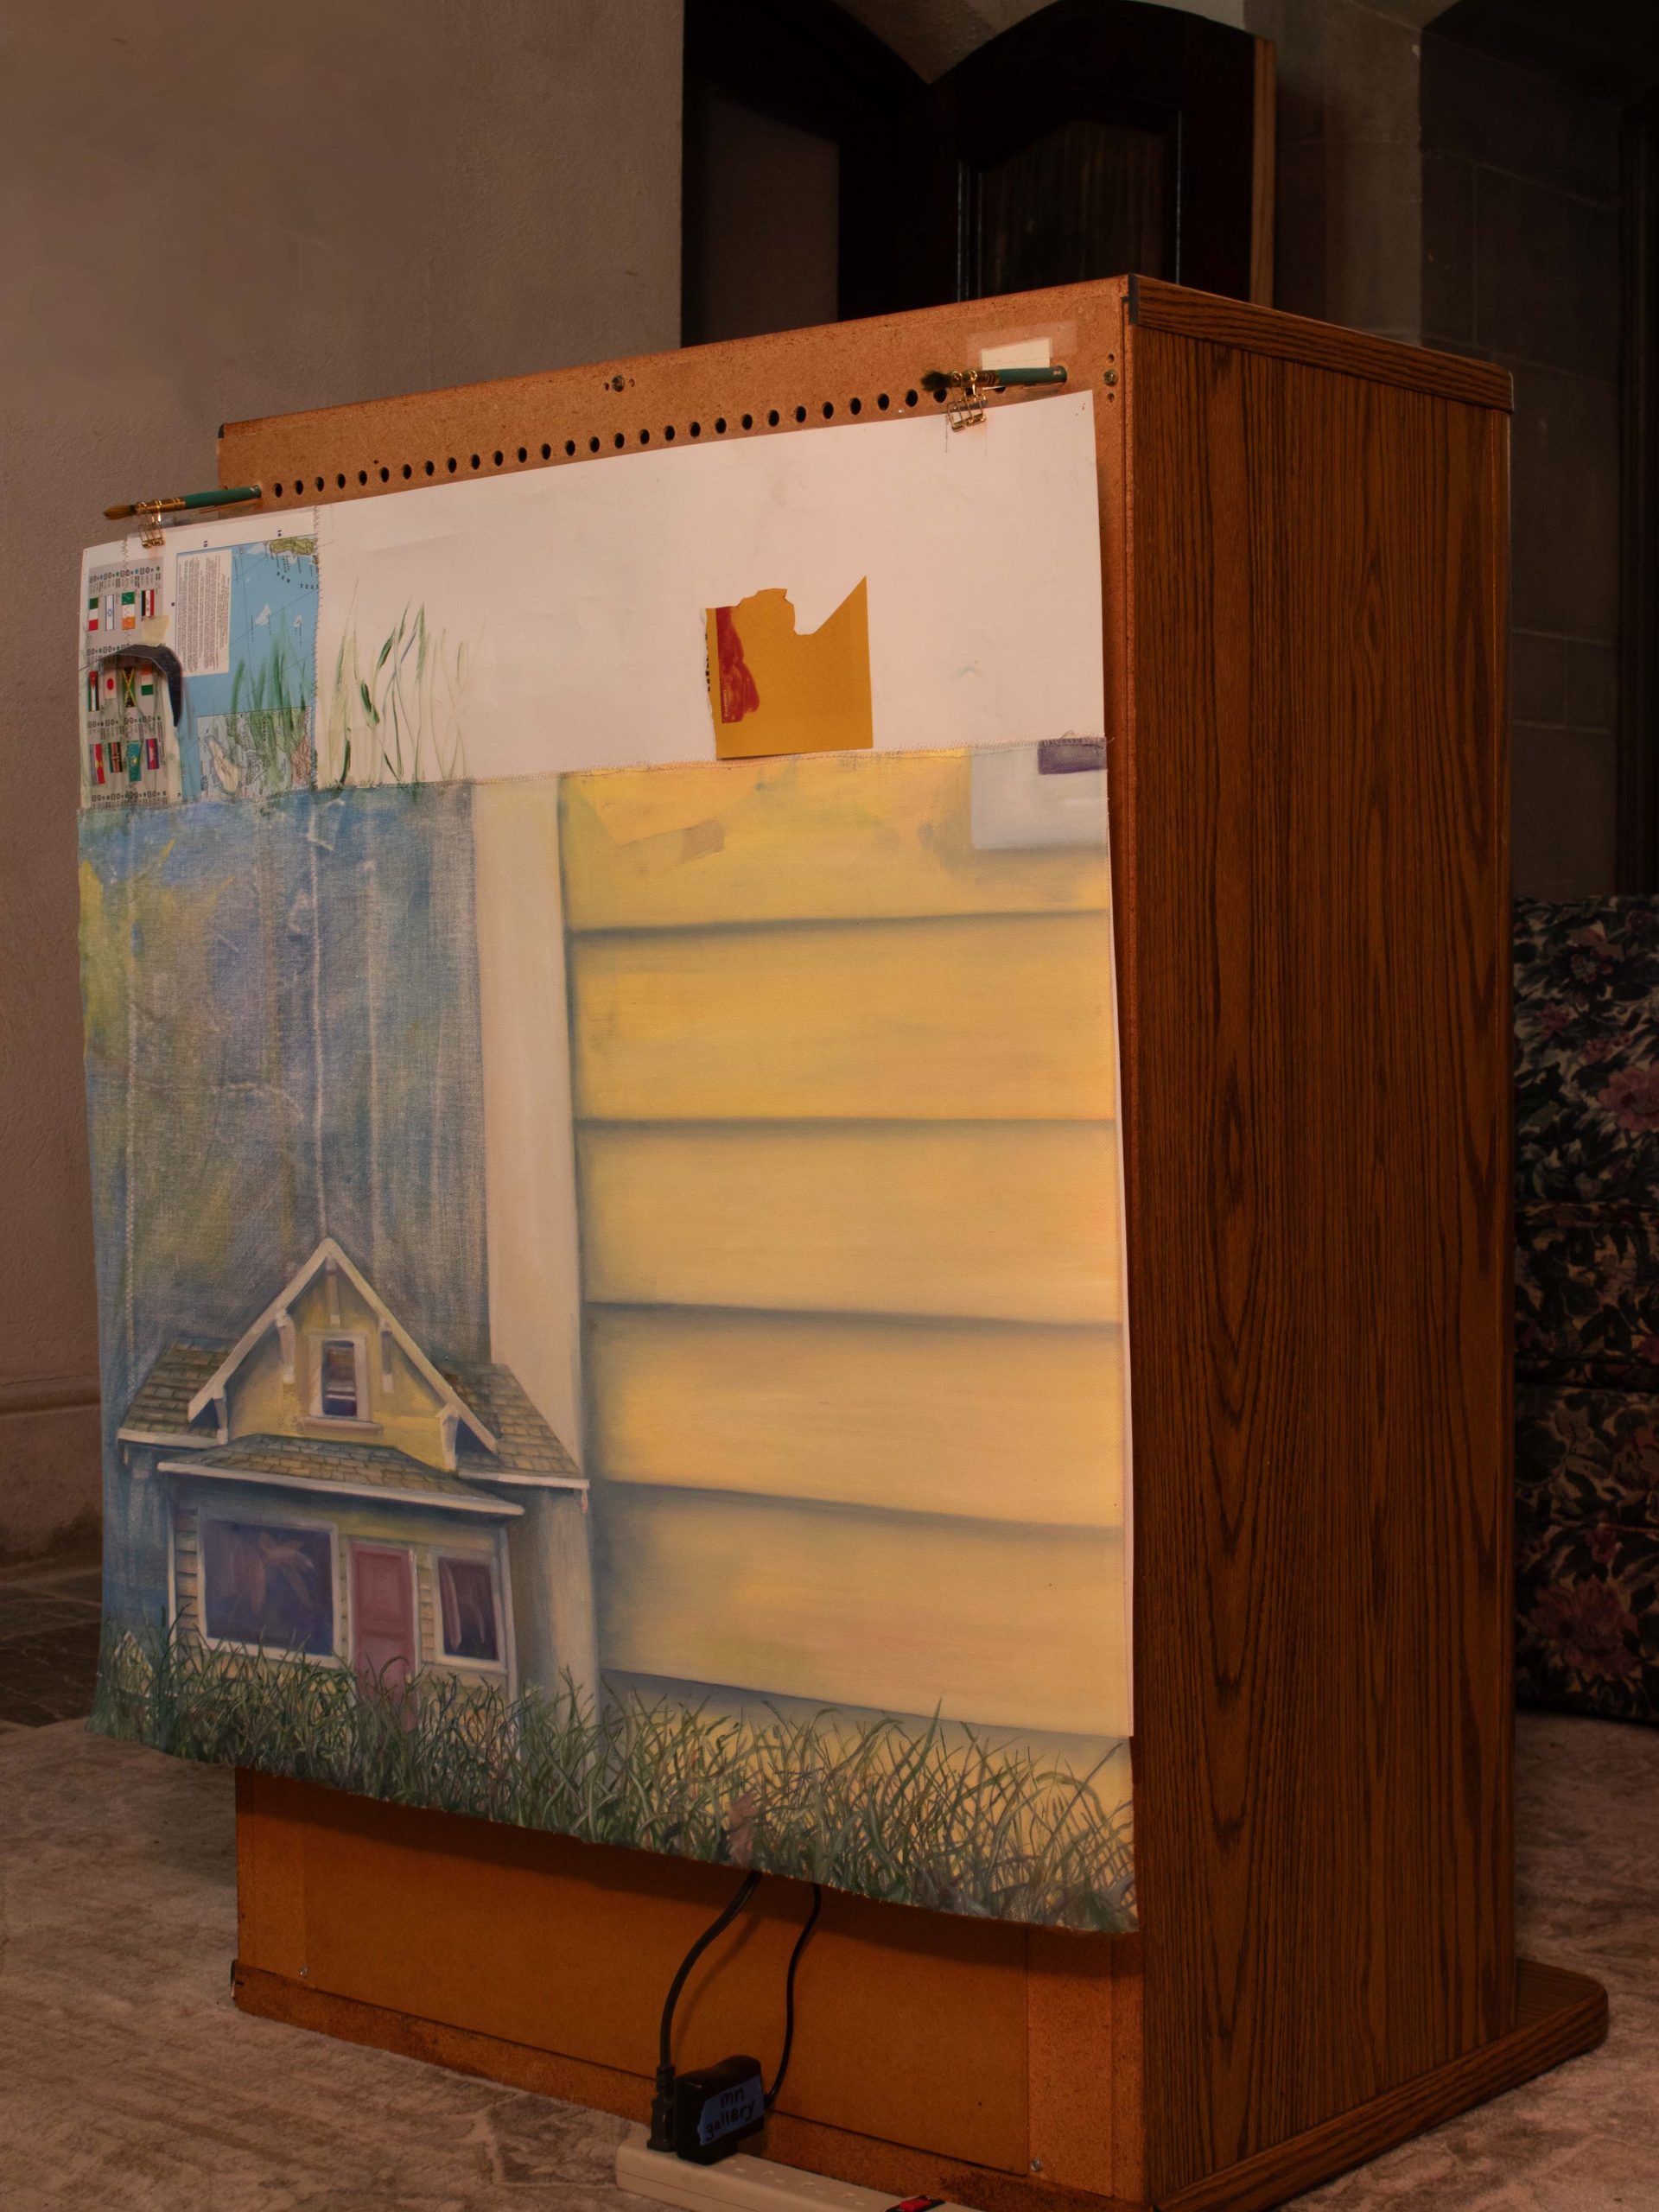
(282, 1043)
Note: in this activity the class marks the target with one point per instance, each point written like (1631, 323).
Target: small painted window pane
(271, 1587)
(467, 1592)
(339, 1378)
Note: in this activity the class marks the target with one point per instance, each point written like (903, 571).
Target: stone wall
(209, 217)
(1521, 266)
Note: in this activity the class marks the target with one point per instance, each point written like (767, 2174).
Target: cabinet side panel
(1317, 1109)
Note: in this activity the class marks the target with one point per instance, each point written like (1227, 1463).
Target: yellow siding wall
(993, 1423)
(1000, 1017)
(988, 1621)
(848, 1184)
(988, 1219)
(837, 839)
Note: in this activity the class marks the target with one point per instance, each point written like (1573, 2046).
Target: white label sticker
(202, 611)
(1029, 354)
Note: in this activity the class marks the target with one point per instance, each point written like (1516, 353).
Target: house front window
(268, 1585)
(466, 1604)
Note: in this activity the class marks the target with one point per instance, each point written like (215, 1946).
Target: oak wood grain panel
(1154, 305)
(1315, 1106)
(1560, 2015)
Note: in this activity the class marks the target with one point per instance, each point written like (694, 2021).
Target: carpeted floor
(130, 2083)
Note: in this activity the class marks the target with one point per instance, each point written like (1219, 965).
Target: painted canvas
(612, 1300)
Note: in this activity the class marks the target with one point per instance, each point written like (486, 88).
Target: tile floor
(49, 1620)
(117, 1925)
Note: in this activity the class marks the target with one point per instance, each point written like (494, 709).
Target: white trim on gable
(329, 1255)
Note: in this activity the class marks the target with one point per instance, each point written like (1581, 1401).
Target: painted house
(333, 1491)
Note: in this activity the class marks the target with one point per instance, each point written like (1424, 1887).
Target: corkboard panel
(751, 387)
(764, 387)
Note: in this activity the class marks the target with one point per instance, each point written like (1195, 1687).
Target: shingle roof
(498, 1397)
(321, 1464)
(161, 1405)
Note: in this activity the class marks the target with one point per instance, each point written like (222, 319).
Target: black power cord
(811, 1921)
(662, 2104)
(736, 2080)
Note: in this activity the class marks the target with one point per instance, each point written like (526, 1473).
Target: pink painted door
(383, 1617)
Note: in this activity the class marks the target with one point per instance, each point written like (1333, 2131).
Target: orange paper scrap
(773, 690)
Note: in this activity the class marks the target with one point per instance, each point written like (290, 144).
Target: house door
(384, 1647)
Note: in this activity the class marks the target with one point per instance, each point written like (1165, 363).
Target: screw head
(1036, 2165)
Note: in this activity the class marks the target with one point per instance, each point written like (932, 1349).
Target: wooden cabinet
(1304, 536)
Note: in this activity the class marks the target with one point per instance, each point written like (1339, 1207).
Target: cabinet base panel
(1560, 2015)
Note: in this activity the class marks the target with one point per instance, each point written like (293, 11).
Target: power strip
(740, 2183)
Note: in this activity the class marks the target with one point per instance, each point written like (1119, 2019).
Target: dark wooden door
(1096, 138)
(803, 169)
(825, 178)
(1638, 705)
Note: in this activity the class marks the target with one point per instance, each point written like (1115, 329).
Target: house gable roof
(160, 1411)
(526, 1444)
(327, 1253)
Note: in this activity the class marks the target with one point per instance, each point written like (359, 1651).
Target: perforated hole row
(410, 472)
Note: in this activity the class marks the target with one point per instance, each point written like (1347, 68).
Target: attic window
(338, 1397)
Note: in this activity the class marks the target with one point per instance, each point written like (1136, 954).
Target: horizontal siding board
(1002, 1626)
(835, 838)
(988, 1421)
(1006, 1018)
(995, 1221)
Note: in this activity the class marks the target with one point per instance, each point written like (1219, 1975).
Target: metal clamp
(974, 384)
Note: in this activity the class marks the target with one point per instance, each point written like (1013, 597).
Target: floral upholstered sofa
(1586, 1020)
